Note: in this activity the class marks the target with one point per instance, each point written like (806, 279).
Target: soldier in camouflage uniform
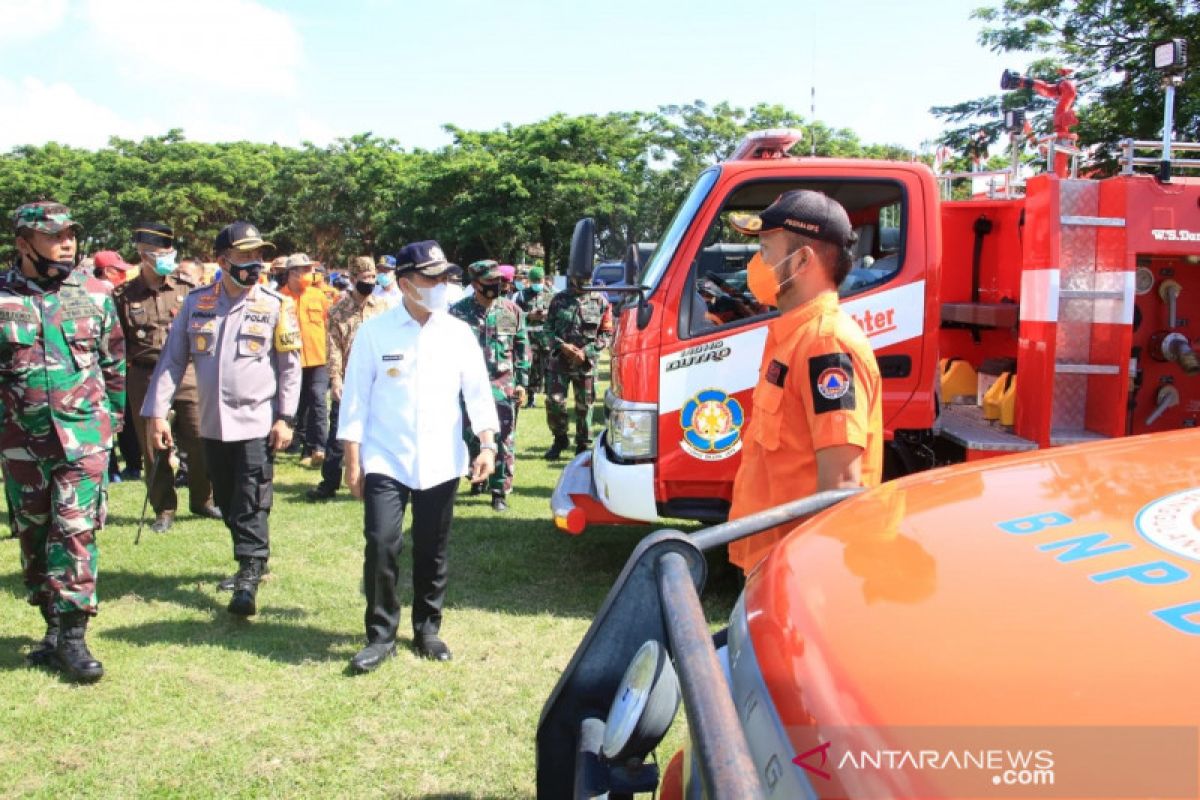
(62, 398)
(578, 328)
(499, 325)
(534, 300)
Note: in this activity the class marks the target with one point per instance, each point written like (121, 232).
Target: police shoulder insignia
(832, 377)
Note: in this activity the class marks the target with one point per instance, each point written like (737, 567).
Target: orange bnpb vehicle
(1038, 311)
(1021, 627)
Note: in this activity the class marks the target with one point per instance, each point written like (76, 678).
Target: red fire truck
(1039, 311)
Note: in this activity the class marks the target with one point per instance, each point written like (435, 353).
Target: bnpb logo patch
(712, 425)
(832, 377)
(833, 383)
(1173, 523)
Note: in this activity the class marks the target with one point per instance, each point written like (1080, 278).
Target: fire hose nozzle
(1169, 291)
(1177, 348)
(1167, 397)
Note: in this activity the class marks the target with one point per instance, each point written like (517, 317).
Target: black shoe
(208, 512)
(181, 479)
(370, 657)
(556, 450)
(582, 448)
(498, 503)
(71, 653)
(320, 492)
(477, 488)
(226, 585)
(43, 654)
(431, 647)
(163, 522)
(531, 402)
(245, 587)
(131, 474)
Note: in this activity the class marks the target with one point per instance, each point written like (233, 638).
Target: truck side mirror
(583, 250)
(633, 265)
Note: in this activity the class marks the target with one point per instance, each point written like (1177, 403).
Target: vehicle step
(966, 426)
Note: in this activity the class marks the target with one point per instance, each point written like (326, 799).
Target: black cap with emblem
(424, 257)
(808, 213)
(155, 234)
(240, 236)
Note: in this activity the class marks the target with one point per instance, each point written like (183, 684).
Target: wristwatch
(489, 446)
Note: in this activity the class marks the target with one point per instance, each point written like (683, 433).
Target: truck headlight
(631, 427)
(644, 707)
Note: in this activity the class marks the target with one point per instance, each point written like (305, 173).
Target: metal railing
(1128, 160)
(1002, 185)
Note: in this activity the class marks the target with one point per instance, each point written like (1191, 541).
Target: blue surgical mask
(164, 264)
(536, 288)
(518, 285)
(384, 280)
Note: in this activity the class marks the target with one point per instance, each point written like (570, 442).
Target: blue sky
(77, 71)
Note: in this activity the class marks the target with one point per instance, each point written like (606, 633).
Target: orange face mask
(307, 280)
(762, 281)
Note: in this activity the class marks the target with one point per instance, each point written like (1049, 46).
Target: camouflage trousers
(539, 354)
(501, 481)
(584, 386)
(57, 506)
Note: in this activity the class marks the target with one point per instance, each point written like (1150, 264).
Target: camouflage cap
(484, 271)
(44, 216)
(362, 265)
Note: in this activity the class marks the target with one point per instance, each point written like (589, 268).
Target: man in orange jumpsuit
(312, 309)
(817, 420)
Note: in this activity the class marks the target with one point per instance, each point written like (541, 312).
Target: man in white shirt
(401, 424)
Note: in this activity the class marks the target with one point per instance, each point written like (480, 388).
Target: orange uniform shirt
(818, 387)
(312, 309)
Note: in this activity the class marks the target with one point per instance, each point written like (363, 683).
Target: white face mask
(432, 298)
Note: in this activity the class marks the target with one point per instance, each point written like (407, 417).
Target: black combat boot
(43, 654)
(245, 587)
(556, 450)
(71, 653)
(582, 447)
(226, 584)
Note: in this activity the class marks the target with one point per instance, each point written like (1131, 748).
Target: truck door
(707, 371)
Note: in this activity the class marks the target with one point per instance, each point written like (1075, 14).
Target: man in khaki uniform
(146, 306)
(359, 304)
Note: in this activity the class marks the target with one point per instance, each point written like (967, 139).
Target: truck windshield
(657, 265)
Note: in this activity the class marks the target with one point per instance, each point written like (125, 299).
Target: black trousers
(312, 414)
(331, 470)
(242, 475)
(433, 510)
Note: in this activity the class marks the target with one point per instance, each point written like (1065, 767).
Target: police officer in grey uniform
(244, 341)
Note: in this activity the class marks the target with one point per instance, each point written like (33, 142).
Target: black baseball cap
(802, 211)
(424, 257)
(155, 234)
(240, 236)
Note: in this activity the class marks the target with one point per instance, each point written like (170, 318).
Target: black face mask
(246, 274)
(364, 287)
(489, 290)
(43, 267)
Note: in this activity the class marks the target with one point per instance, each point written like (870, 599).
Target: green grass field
(198, 704)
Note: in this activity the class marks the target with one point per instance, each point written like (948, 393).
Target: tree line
(513, 193)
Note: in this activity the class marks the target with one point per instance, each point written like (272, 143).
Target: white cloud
(36, 113)
(220, 44)
(21, 20)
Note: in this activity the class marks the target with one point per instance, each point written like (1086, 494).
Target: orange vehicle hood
(1061, 587)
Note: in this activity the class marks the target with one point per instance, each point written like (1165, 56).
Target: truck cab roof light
(766, 144)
